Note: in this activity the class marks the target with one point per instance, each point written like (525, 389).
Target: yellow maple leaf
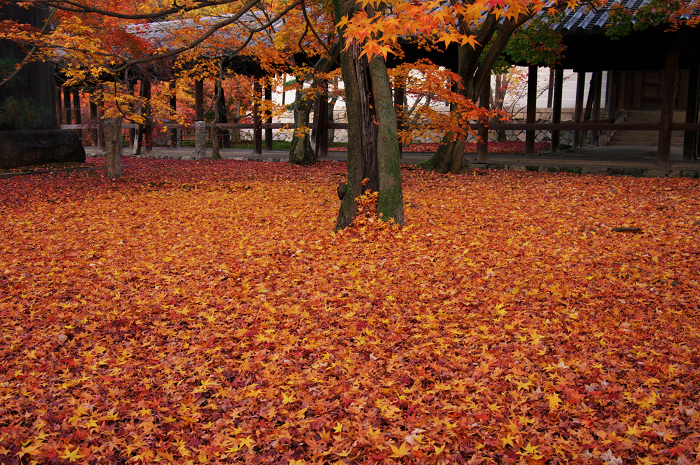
(399, 452)
(554, 401)
(72, 455)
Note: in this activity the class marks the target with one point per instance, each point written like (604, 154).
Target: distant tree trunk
(373, 145)
(300, 152)
(215, 137)
(113, 146)
(499, 94)
(474, 68)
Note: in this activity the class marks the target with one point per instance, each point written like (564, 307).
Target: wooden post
(132, 131)
(611, 95)
(531, 110)
(77, 117)
(199, 100)
(690, 139)
(257, 131)
(556, 105)
(67, 111)
(94, 119)
(550, 89)
(578, 111)
(148, 128)
(482, 145)
(174, 142)
(667, 103)
(321, 121)
(597, 95)
(100, 128)
(621, 90)
(268, 118)
(59, 105)
(399, 97)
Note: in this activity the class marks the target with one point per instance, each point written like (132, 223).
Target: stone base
(22, 148)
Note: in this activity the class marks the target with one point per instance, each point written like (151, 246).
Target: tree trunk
(474, 66)
(215, 137)
(113, 146)
(373, 146)
(390, 203)
(300, 152)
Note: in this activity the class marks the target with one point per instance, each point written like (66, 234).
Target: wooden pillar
(94, 119)
(667, 103)
(132, 131)
(399, 97)
(531, 109)
(321, 121)
(148, 127)
(67, 110)
(556, 105)
(77, 117)
(578, 111)
(611, 95)
(690, 139)
(59, 105)
(199, 100)
(268, 118)
(550, 89)
(597, 96)
(621, 78)
(257, 131)
(482, 145)
(100, 129)
(174, 142)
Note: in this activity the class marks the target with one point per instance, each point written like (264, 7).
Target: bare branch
(78, 7)
(210, 32)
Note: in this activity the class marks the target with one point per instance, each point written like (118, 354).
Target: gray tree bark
(113, 146)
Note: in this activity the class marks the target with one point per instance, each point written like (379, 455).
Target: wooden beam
(556, 105)
(531, 109)
(667, 103)
(690, 139)
(482, 145)
(578, 110)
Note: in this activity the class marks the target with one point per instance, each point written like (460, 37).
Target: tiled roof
(585, 20)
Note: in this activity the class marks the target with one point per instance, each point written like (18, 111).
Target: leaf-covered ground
(198, 312)
(512, 147)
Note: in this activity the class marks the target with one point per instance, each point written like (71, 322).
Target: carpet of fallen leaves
(514, 147)
(199, 312)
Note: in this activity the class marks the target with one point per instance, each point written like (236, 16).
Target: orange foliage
(202, 312)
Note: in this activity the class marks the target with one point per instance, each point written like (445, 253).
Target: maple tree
(507, 322)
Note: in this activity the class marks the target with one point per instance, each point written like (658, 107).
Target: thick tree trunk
(113, 146)
(390, 202)
(373, 145)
